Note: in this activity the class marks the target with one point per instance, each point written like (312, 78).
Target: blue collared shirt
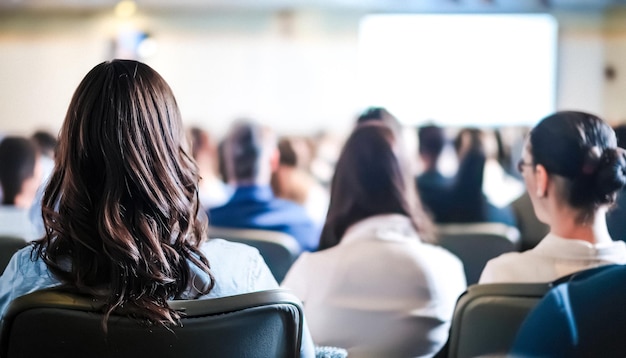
(256, 207)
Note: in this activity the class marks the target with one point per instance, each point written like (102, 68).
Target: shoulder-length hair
(121, 209)
(371, 179)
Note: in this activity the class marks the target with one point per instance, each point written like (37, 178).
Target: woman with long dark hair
(121, 209)
(573, 171)
(376, 288)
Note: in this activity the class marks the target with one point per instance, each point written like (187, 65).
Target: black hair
(431, 140)
(581, 148)
(244, 149)
(46, 143)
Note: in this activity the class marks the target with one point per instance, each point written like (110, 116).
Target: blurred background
(307, 66)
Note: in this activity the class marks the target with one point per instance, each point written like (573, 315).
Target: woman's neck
(593, 230)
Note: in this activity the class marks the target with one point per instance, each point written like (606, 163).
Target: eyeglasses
(521, 164)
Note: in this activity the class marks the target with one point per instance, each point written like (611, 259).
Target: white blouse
(380, 292)
(552, 258)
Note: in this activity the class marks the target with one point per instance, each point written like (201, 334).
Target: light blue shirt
(237, 269)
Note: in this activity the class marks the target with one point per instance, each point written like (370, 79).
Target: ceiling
(424, 6)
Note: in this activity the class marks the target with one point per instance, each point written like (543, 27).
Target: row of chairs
(267, 323)
(474, 244)
(259, 324)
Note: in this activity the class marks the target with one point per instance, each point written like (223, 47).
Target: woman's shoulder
(221, 246)
(26, 262)
(512, 258)
(236, 268)
(224, 253)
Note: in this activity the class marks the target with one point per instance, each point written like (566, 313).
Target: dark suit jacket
(461, 199)
(582, 318)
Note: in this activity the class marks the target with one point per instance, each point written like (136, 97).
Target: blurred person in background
(434, 188)
(212, 190)
(20, 177)
(47, 145)
(465, 201)
(292, 180)
(251, 156)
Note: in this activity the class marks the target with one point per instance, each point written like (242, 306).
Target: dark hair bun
(608, 176)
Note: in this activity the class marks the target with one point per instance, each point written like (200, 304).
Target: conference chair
(56, 323)
(278, 249)
(9, 245)
(487, 317)
(477, 243)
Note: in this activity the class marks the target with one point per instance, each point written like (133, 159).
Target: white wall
(294, 71)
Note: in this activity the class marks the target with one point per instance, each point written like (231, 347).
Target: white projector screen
(481, 70)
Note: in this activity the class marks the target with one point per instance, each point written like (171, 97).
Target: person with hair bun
(573, 171)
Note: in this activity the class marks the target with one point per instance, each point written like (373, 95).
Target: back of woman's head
(370, 179)
(582, 149)
(122, 203)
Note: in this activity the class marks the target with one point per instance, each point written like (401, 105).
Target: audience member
(47, 145)
(251, 156)
(466, 202)
(292, 181)
(434, 188)
(584, 317)
(121, 210)
(212, 190)
(380, 114)
(46, 142)
(377, 289)
(573, 169)
(500, 187)
(20, 176)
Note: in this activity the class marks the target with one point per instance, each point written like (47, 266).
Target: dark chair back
(9, 245)
(53, 323)
(475, 244)
(278, 249)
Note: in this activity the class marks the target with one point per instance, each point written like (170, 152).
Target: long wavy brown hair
(121, 209)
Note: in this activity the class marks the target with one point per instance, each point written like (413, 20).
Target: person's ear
(541, 180)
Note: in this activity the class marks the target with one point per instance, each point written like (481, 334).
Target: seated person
(293, 181)
(581, 318)
(121, 208)
(434, 188)
(467, 202)
(251, 155)
(212, 190)
(573, 170)
(376, 288)
(47, 144)
(20, 176)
